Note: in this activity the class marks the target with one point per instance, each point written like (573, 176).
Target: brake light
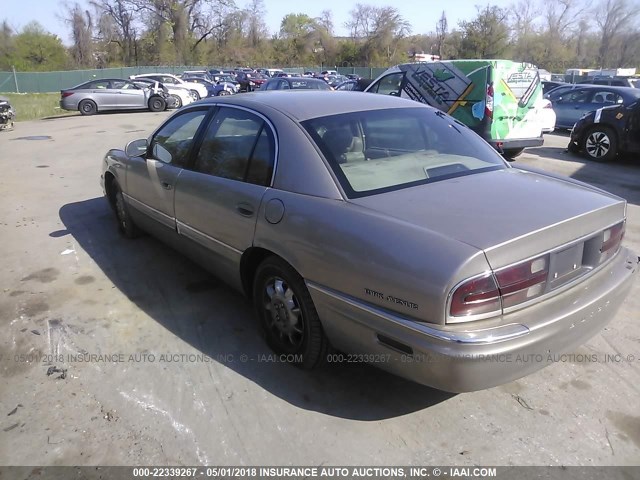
(523, 281)
(508, 287)
(488, 105)
(475, 297)
(66, 94)
(611, 240)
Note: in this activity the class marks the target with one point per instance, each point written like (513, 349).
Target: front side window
(237, 145)
(172, 142)
(390, 85)
(382, 150)
(99, 84)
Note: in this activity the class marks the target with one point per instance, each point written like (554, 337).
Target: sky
(421, 14)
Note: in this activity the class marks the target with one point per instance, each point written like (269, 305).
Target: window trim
(196, 138)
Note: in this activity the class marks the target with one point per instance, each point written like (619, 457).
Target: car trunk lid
(510, 214)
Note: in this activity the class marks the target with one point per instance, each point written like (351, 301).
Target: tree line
(553, 34)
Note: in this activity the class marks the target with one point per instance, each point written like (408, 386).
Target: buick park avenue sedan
(378, 226)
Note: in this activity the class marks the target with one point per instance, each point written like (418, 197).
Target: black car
(604, 133)
(295, 83)
(612, 81)
(548, 85)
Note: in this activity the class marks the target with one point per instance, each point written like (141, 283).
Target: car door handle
(166, 185)
(244, 209)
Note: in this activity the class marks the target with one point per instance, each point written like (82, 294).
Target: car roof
(305, 104)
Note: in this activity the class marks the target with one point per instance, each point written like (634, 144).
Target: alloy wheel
(283, 314)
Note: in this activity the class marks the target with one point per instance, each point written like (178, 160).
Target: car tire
(222, 93)
(157, 104)
(126, 225)
(599, 143)
(195, 95)
(178, 101)
(87, 107)
(287, 316)
(511, 153)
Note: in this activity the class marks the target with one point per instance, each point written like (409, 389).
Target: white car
(168, 79)
(182, 95)
(547, 115)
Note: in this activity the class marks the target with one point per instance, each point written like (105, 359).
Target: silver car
(375, 229)
(113, 94)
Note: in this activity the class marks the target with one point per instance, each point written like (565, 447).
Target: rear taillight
(488, 105)
(66, 94)
(477, 296)
(509, 286)
(611, 240)
(523, 281)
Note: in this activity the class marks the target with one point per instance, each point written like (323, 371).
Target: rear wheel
(87, 107)
(157, 104)
(222, 93)
(287, 315)
(195, 95)
(600, 144)
(511, 153)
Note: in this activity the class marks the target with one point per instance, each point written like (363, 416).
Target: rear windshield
(383, 150)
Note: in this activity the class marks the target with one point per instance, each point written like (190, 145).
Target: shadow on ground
(219, 322)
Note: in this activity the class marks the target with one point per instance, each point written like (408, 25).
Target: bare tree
(117, 25)
(81, 24)
(614, 17)
(441, 33)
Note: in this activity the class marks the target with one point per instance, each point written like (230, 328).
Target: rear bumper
(515, 143)
(462, 358)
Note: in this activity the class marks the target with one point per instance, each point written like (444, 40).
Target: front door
(151, 181)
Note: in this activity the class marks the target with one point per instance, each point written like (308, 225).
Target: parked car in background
(604, 133)
(7, 114)
(353, 76)
(548, 116)
(269, 72)
(295, 83)
(337, 80)
(196, 74)
(495, 98)
(245, 80)
(258, 79)
(214, 89)
(228, 79)
(168, 79)
(349, 85)
(181, 96)
(577, 102)
(101, 95)
(612, 81)
(383, 233)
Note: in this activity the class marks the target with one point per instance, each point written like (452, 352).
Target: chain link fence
(44, 82)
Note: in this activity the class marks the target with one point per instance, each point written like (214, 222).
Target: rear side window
(238, 145)
(382, 150)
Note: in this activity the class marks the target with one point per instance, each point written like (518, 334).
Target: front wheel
(287, 315)
(600, 144)
(157, 104)
(126, 225)
(178, 101)
(221, 93)
(195, 95)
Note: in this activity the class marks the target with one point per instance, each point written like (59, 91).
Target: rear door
(218, 197)
(129, 95)
(106, 96)
(633, 134)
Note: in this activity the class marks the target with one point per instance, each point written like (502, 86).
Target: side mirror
(137, 148)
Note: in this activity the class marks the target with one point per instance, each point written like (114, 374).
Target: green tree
(487, 35)
(7, 46)
(38, 50)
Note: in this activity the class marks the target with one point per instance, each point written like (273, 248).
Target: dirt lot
(166, 381)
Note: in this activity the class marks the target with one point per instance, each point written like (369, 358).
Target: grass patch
(34, 106)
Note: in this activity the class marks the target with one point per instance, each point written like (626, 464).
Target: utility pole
(15, 78)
